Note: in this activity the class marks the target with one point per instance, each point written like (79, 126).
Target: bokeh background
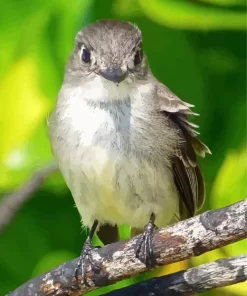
(197, 48)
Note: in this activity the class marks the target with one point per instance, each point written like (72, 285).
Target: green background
(197, 48)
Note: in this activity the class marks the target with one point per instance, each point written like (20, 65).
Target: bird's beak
(115, 75)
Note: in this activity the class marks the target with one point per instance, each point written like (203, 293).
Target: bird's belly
(107, 159)
(115, 187)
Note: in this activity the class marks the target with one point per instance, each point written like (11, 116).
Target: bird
(124, 142)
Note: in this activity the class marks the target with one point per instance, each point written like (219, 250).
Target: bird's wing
(187, 174)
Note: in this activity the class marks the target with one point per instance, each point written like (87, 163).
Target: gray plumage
(125, 149)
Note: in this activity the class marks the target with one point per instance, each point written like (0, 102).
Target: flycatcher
(123, 140)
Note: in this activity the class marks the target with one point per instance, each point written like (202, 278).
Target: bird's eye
(86, 56)
(138, 57)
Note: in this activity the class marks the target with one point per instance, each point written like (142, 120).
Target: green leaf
(226, 2)
(31, 79)
(126, 8)
(187, 14)
(124, 232)
(21, 112)
(229, 187)
(97, 241)
(51, 260)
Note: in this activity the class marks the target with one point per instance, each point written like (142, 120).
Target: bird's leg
(145, 251)
(86, 255)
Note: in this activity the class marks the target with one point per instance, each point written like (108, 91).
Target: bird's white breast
(102, 165)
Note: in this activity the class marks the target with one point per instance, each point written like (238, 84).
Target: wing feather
(187, 174)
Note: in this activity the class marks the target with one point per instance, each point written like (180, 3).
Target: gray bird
(123, 140)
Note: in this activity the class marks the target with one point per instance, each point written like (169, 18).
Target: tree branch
(199, 279)
(12, 202)
(192, 237)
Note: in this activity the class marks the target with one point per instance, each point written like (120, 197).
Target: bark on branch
(195, 280)
(192, 237)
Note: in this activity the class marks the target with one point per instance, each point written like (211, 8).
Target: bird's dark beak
(114, 75)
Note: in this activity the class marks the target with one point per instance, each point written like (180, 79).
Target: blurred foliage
(186, 14)
(230, 186)
(205, 66)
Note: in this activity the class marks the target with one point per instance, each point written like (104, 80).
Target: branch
(192, 237)
(199, 279)
(12, 202)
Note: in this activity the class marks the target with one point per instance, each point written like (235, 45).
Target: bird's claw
(145, 248)
(86, 259)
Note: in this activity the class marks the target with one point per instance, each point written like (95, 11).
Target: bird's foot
(86, 259)
(145, 247)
